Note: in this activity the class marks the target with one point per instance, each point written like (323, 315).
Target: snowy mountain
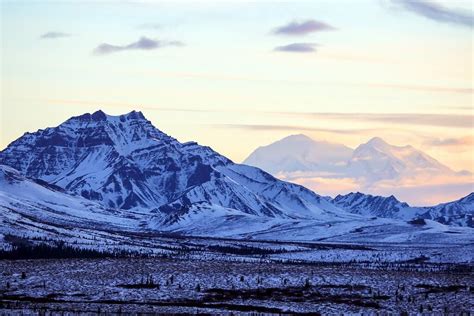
(377, 160)
(369, 205)
(457, 213)
(124, 162)
(299, 153)
(375, 167)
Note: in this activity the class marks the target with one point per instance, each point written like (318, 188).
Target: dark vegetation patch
(351, 287)
(417, 222)
(58, 250)
(419, 259)
(6, 299)
(306, 294)
(245, 250)
(441, 289)
(150, 283)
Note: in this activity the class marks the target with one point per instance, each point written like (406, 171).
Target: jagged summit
(100, 115)
(370, 205)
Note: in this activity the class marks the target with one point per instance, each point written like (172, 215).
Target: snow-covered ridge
(34, 210)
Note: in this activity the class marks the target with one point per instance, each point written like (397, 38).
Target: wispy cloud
(150, 26)
(265, 127)
(437, 12)
(52, 35)
(144, 43)
(297, 48)
(421, 88)
(425, 119)
(456, 142)
(303, 27)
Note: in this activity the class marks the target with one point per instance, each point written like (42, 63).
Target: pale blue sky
(226, 87)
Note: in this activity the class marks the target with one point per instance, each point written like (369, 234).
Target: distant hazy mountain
(299, 153)
(377, 160)
(374, 167)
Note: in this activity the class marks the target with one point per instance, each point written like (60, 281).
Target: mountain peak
(297, 138)
(96, 116)
(134, 115)
(377, 141)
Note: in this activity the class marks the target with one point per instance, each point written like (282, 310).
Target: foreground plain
(160, 285)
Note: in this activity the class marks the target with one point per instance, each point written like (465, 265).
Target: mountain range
(108, 174)
(459, 212)
(374, 167)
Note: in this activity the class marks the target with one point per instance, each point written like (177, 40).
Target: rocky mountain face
(369, 205)
(124, 162)
(459, 212)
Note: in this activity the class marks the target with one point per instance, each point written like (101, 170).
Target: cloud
(424, 119)
(52, 35)
(327, 186)
(150, 26)
(425, 190)
(303, 28)
(144, 43)
(420, 88)
(264, 127)
(457, 142)
(297, 48)
(437, 12)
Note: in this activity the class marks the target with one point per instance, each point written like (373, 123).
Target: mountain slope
(35, 209)
(459, 212)
(124, 162)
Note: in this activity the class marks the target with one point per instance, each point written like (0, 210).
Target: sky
(236, 75)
